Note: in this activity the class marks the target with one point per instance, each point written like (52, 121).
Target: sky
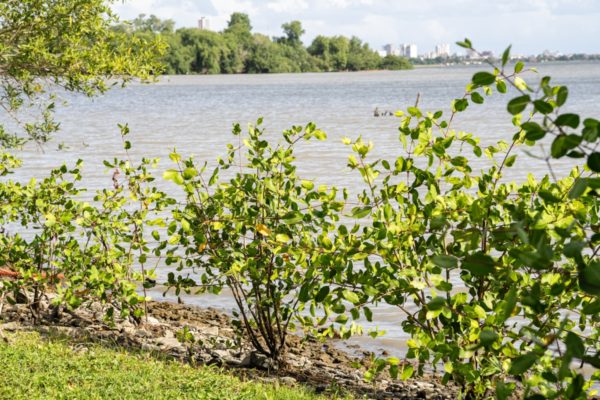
(531, 26)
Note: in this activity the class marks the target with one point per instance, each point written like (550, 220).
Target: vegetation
(66, 44)
(36, 368)
(238, 50)
(499, 282)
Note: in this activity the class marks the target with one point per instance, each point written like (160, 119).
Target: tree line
(237, 49)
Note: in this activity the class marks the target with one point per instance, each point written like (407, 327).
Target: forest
(238, 49)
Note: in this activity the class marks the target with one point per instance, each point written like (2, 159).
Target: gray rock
(9, 327)
(168, 342)
(288, 381)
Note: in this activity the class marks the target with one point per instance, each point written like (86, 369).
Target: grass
(32, 367)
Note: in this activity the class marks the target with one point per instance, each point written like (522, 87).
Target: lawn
(33, 367)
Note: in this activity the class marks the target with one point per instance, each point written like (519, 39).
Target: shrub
(265, 234)
(525, 254)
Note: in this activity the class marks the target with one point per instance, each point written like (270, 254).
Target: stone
(168, 343)
(151, 321)
(288, 381)
(9, 327)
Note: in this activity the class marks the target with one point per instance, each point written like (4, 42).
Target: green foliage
(498, 281)
(266, 234)
(84, 251)
(62, 43)
(238, 50)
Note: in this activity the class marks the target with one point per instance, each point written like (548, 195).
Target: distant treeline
(238, 50)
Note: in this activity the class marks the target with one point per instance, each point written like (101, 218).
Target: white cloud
(287, 6)
(531, 25)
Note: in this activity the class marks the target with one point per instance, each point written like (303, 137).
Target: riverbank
(212, 341)
(36, 366)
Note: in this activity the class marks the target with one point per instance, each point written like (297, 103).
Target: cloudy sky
(532, 26)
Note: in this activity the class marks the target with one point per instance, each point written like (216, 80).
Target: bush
(525, 253)
(264, 233)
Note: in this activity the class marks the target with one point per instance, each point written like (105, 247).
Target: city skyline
(532, 27)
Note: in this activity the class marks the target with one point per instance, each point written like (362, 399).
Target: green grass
(32, 367)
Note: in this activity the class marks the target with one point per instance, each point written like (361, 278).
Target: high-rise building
(204, 23)
(391, 50)
(442, 50)
(410, 50)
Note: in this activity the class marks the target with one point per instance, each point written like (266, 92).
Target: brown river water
(195, 115)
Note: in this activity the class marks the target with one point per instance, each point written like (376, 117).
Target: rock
(210, 330)
(9, 327)
(168, 343)
(288, 381)
(142, 333)
(151, 321)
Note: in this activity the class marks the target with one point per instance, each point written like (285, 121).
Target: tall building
(204, 23)
(442, 50)
(391, 50)
(410, 50)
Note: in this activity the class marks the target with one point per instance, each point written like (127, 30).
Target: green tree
(293, 32)
(61, 43)
(392, 62)
(239, 24)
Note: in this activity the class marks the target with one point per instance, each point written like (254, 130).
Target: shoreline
(319, 365)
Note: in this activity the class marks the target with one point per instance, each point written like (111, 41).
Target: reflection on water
(195, 115)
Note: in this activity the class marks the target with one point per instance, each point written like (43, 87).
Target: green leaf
(445, 261)
(483, 78)
(506, 56)
(575, 345)
(570, 120)
(504, 390)
(533, 131)
(589, 279)
(322, 294)
(518, 104)
(510, 161)
(465, 44)
(563, 143)
(543, 107)
(351, 296)
(171, 175)
(479, 264)
(360, 212)
(487, 337)
(368, 314)
(127, 145)
(407, 372)
(561, 96)
(189, 173)
(308, 185)
(293, 217)
(460, 105)
(437, 303)
(519, 66)
(509, 305)
(593, 162)
(592, 308)
(477, 98)
(282, 238)
(578, 188)
(501, 86)
(522, 363)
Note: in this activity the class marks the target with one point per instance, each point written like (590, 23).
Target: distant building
(442, 50)
(204, 23)
(410, 50)
(391, 50)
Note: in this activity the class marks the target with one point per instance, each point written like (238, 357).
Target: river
(195, 115)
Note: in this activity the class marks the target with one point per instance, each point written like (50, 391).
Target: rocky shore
(210, 339)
